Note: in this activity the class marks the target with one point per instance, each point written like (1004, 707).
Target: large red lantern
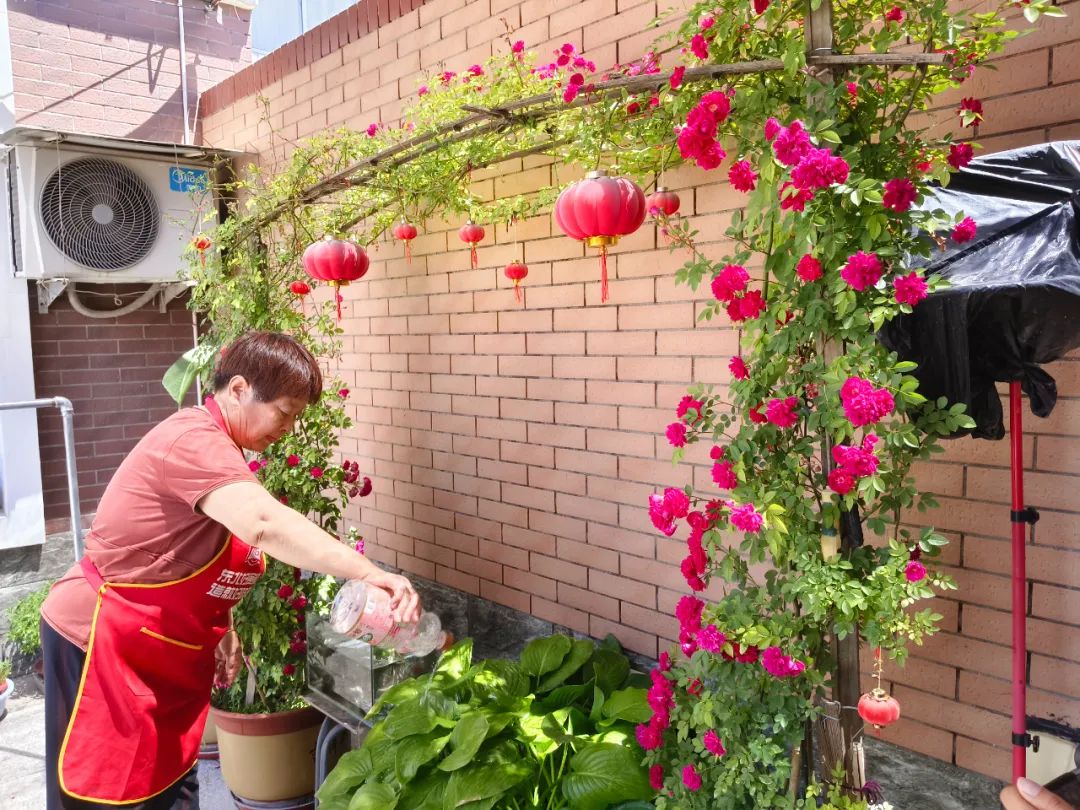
(471, 234)
(336, 262)
(516, 272)
(662, 201)
(598, 210)
(406, 232)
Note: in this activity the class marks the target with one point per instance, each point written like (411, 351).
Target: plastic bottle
(362, 611)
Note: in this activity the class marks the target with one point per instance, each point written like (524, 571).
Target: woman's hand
(228, 659)
(1028, 795)
(404, 600)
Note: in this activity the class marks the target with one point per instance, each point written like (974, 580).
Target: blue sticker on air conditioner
(188, 180)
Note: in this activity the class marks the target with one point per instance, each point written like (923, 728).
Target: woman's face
(255, 425)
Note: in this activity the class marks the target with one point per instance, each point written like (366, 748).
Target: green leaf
(456, 661)
(466, 739)
(604, 774)
(408, 719)
(351, 770)
(580, 652)
(374, 796)
(415, 752)
(544, 655)
(609, 669)
(631, 705)
(481, 782)
(503, 678)
(562, 697)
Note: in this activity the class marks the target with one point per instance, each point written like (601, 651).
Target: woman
(135, 635)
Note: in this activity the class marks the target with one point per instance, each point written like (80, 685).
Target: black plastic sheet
(1014, 298)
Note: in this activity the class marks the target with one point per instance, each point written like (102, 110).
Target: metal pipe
(1019, 586)
(183, 71)
(67, 414)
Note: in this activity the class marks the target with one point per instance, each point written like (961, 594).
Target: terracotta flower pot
(268, 757)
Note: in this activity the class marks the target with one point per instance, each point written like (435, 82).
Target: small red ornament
(336, 262)
(878, 708)
(202, 244)
(598, 210)
(471, 234)
(516, 272)
(663, 202)
(406, 232)
(299, 288)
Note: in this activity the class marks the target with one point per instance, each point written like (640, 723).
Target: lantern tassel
(603, 274)
(337, 299)
(408, 252)
(472, 254)
(517, 292)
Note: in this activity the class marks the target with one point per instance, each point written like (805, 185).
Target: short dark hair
(275, 365)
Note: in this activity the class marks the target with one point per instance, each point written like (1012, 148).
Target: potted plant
(7, 686)
(265, 733)
(552, 729)
(24, 628)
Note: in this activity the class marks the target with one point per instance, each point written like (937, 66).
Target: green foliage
(25, 621)
(554, 729)
(5, 671)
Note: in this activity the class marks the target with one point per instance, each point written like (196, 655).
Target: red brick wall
(111, 370)
(514, 449)
(112, 67)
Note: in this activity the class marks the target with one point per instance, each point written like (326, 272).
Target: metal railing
(67, 414)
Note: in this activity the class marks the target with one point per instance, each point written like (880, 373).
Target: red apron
(145, 690)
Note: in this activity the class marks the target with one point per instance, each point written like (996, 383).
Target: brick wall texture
(513, 449)
(111, 370)
(113, 68)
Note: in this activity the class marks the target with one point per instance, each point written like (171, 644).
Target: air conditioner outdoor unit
(92, 215)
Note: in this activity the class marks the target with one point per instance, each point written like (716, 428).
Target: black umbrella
(1013, 304)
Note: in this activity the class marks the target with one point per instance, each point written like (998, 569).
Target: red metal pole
(1019, 586)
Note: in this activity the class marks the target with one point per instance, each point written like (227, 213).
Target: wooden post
(846, 687)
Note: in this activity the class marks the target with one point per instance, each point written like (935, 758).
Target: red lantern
(663, 202)
(598, 210)
(336, 262)
(516, 272)
(879, 708)
(300, 288)
(202, 244)
(471, 234)
(406, 232)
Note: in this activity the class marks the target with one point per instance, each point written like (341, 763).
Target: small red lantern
(471, 234)
(300, 288)
(663, 202)
(336, 262)
(202, 244)
(879, 708)
(406, 232)
(598, 210)
(516, 272)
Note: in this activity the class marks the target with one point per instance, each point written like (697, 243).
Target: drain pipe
(183, 71)
(67, 413)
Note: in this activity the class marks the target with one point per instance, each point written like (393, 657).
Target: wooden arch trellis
(818, 28)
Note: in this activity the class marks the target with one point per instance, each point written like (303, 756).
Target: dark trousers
(63, 671)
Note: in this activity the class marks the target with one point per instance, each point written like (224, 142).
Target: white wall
(22, 516)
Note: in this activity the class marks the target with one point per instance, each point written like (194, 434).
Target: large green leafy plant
(552, 730)
(24, 629)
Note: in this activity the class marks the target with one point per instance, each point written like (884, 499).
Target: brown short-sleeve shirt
(147, 528)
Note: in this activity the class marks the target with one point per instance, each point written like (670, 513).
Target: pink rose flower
(808, 269)
(900, 193)
(738, 368)
(712, 743)
(690, 777)
(964, 231)
(915, 571)
(862, 270)
(910, 289)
